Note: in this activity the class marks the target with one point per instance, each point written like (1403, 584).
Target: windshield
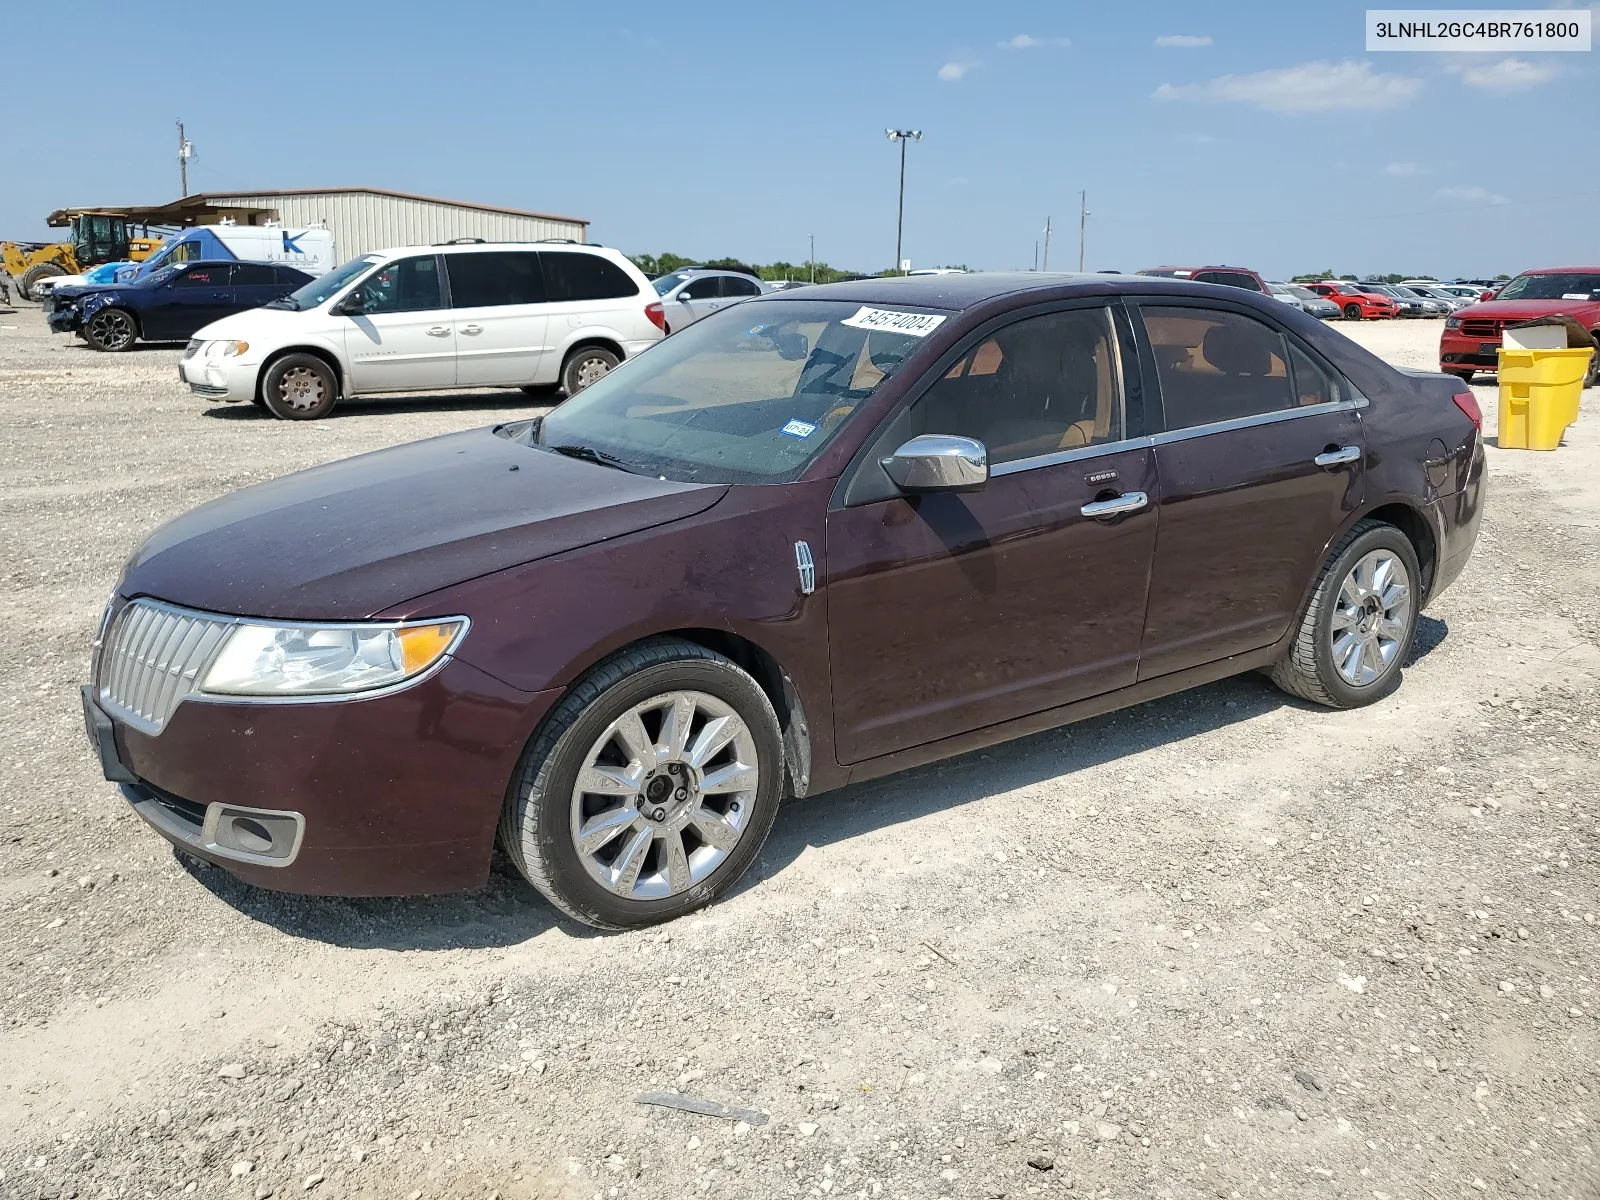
(1558, 285)
(749, 395)
(667, 282)
(320, 290)
(1303, 293)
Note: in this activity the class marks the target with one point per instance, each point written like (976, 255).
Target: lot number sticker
(799, 429)
(914, 324)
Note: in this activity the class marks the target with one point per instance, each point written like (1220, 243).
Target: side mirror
(938, 462)
(351, 306)
(684, 297)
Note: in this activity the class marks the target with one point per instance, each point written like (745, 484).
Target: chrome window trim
(1076, 454)
(1270, 418)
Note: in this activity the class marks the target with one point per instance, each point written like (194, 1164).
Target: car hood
(1587, 311)
(356, 537)
(252, 322)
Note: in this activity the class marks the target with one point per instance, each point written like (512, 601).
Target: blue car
(168, 305)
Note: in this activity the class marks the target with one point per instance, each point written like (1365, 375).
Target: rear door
(590, 296)
(253, 284)
(1261, 456)
(402, 339)
(499, 313)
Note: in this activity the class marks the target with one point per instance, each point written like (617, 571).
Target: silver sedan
(696, 292)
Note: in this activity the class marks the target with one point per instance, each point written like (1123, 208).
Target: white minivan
(427, 318)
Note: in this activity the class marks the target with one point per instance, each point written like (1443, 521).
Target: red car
(1239, 277)
(1471, 338)
(1356, 304)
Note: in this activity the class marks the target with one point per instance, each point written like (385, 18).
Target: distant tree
(663, 264)
(1502, 275)
(1315, 277)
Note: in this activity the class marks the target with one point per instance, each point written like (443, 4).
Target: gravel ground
(1223, 944)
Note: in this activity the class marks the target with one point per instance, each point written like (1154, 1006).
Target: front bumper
(391, 796)
(226, 379)
(63, 320)
(1457, 351)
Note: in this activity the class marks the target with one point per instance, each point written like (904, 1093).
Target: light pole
(902, 136)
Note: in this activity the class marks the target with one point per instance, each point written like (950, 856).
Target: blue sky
(1253, 134)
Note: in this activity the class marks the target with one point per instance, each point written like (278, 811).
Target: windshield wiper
(598, 457)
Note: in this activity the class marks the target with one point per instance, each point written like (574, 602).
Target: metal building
(366, 219)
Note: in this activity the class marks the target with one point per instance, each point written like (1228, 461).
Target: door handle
(1126, 503)
(472, 329)
(438, 331)
(1339, 457)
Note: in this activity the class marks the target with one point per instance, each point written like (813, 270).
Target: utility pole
(1083, 220)
(901, 136)
(1035, 254)
(185, 153)
(812, 260)
(1047, 243)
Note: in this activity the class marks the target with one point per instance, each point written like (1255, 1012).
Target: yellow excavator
(97, 237)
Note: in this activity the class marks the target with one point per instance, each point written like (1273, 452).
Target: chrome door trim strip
(1271, 418)
(1076, 454)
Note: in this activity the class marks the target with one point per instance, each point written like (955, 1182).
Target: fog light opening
(250, 834)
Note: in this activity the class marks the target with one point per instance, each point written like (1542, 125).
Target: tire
(1592, 375)
(1310, 670)
(1464, 376)
(35, 273)
(299, 387)
(111, 330)
(1352, 312)
(585, 365)
(544, 810)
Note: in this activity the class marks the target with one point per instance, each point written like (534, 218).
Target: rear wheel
(299, 387)
(111, 330)
(1592, 376)
(1352, 312)
(1357, 629)
(649, 789)
(584, 366)
(35, 273)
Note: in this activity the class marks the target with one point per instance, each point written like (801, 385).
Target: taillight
(1468, 403)
(657, 315)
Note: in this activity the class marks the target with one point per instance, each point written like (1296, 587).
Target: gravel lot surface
(1223, 944)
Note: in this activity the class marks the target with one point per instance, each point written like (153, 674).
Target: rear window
(574, 275)
(253, 274)
(1217, 366)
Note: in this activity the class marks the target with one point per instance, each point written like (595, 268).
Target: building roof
(186, 208)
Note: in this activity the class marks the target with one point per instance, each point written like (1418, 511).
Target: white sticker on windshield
(799, 429)
(1574, 295)
(914, 324)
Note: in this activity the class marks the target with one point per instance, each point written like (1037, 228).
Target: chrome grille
(152, 659)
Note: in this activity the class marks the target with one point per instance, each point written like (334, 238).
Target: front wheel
(649, 789)
(299, 387)
(112, 330)
(1464, 376)
(1592, 375)
(1357, 629)
(586, 365)
(1352, 312)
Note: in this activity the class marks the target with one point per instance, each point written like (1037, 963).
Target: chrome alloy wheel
(592, 370)
(664, 795)
(111, 329)
(301, 388)
(1371, 618)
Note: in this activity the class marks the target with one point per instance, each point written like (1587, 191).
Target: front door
(188, 301)
(403, 338)
(497, 303)
(1261, 460)
(698, 298)
(950, 612)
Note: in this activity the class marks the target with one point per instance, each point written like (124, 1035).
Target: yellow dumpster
(1539, 393)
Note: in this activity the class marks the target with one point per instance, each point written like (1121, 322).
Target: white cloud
(1402, 168)
(1026, 41)
(1470, 193)
(955, 71)
(1183, 41)
(1309, 87)
(1507, 75)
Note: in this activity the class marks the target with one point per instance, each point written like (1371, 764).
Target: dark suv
(1238, 277)
(819, 537)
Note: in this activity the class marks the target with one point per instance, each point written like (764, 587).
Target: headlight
(1452, 322)
(226, 349)
(327, 660)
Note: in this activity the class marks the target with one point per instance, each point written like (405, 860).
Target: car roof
(960, 292)
(1551, 271)
(559, 245)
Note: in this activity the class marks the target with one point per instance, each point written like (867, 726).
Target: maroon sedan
(815, 538)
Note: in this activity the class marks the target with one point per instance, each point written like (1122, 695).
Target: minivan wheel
(111, 330)
(649, 789)
(1352, 312)
(299, 387)
(586, 366)
(1357, 630)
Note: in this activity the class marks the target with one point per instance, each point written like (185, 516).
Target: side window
(252, 274)
(1238, 279)
(1312, 385)
(1044, 384)
(212, 276)
(577, 275)
(1216, 366)
(740, 285)
(405, 285)
(494, 279)
(703, 287)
